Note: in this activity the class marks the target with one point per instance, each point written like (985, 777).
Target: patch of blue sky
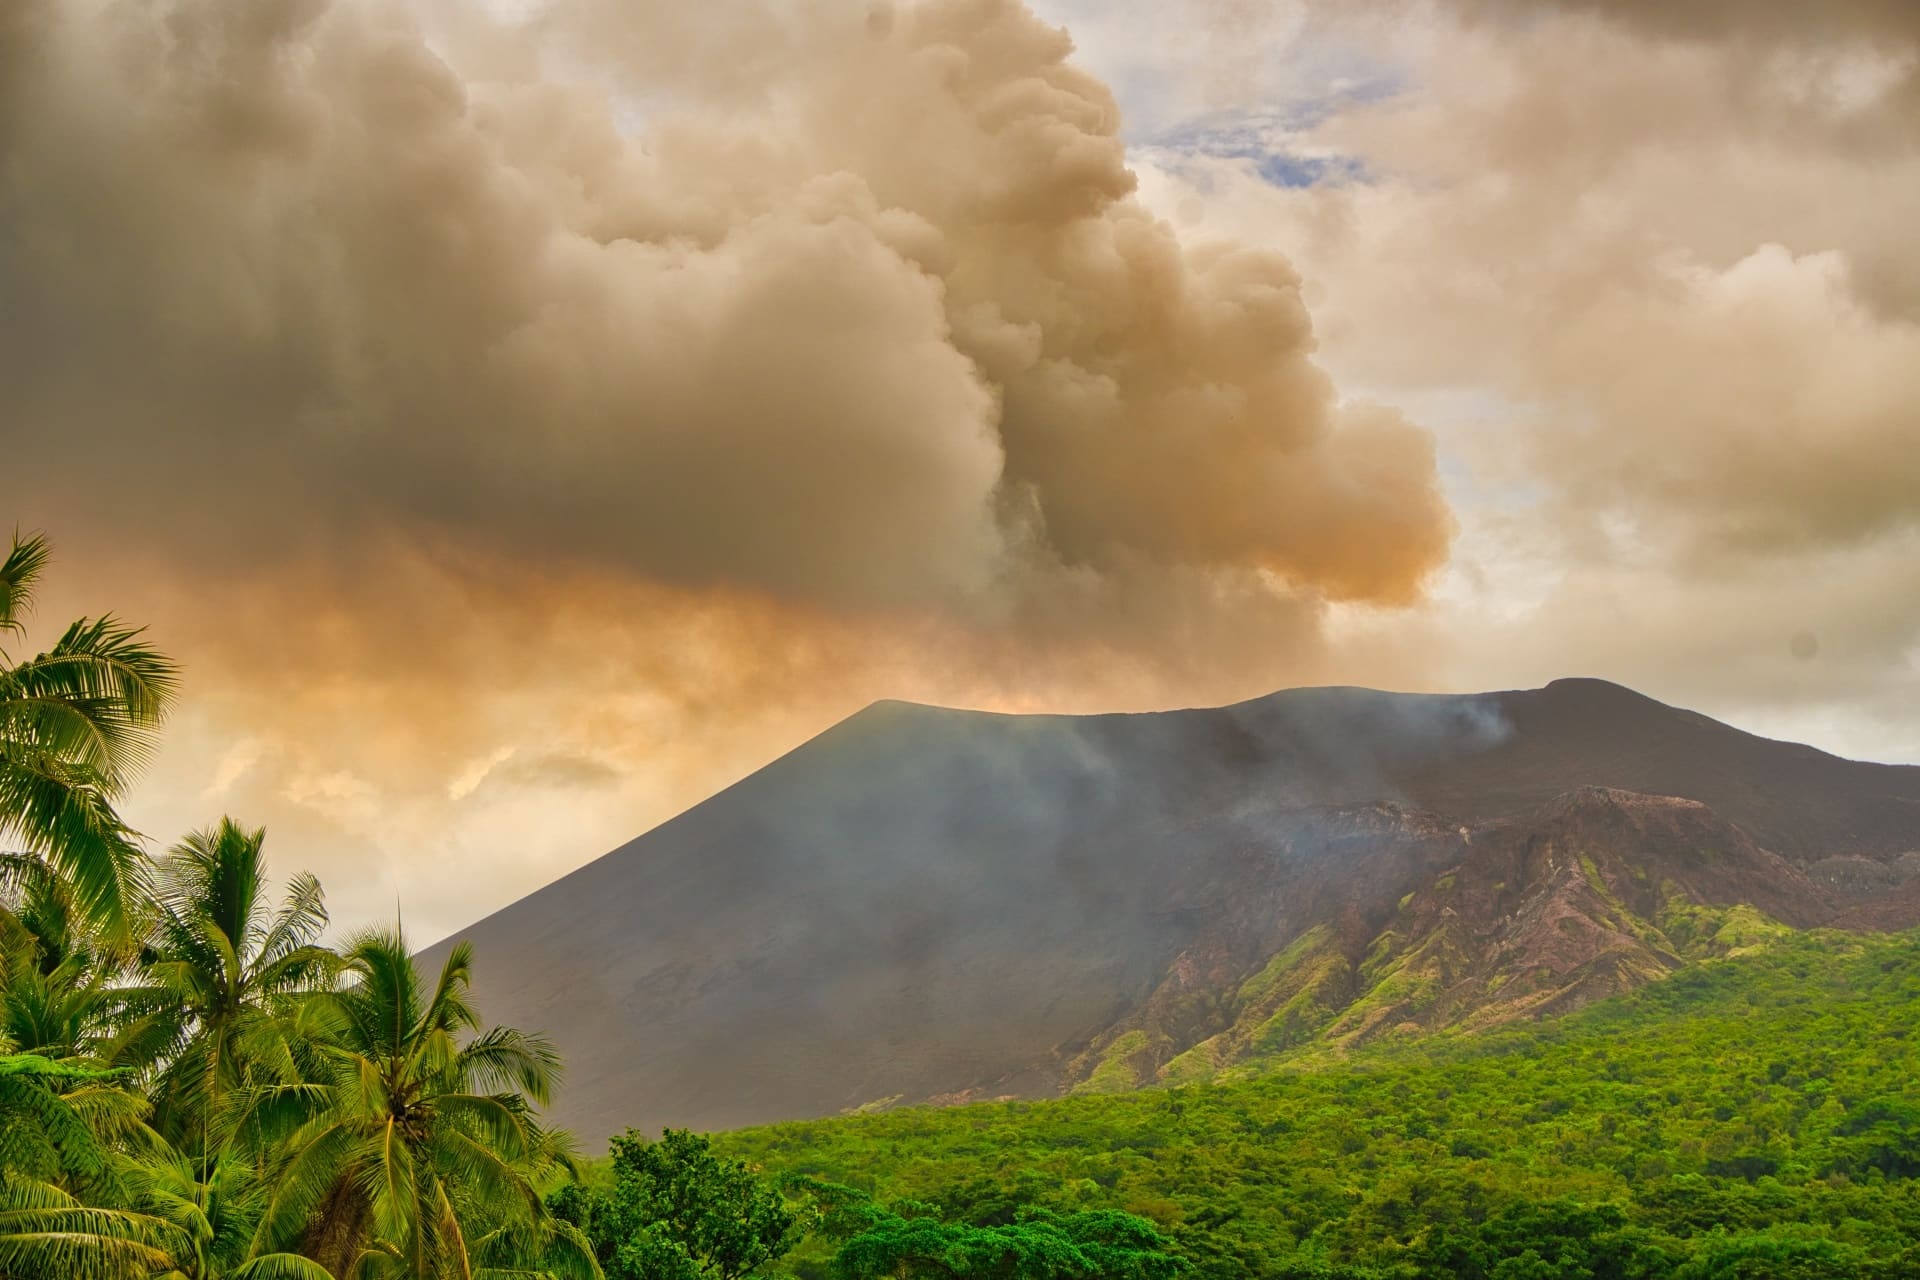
(1275, 140)
(1247, 128)
(1292, 170)
(1279, 161)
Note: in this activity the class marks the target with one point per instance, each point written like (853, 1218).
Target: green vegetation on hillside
(1747, 1118)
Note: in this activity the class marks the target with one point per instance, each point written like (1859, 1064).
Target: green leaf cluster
(678, 1211)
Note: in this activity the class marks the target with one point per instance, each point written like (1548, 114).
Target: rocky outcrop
(1597, 891)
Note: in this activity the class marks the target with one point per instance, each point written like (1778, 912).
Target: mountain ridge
(926, 903)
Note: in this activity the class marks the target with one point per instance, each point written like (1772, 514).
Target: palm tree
(300, 1130)
(213, 1212)
(87, 1188)
(86, 1205)
(75, 723)
(63, 995)
(55, 1166)
(235, 972)
(425, 1164)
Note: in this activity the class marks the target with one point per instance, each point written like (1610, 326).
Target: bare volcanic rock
(924, 904)
(1595, 892)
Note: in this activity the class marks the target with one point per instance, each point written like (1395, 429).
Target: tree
(186, 1088)
(88, 1190)
(56, 1168)
(1788, 1252)
(75, 723)
(678, 1211)
(51, 1156)
(1094, 1245)
(62, 995)
(1560, 1239)
(425, 1160)
(233, 971)
(213, 1212)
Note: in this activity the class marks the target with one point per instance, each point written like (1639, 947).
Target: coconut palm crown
(76, 722)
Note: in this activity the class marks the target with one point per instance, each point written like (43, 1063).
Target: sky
(522, 421)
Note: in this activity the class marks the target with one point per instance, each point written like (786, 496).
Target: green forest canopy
(1754, 1117)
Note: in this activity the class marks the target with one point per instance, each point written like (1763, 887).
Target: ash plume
(856, 311)
(425, 374)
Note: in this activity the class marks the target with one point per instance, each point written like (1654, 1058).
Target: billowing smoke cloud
(855, 311)
(445, 384)
(1785, 22)
(1715, 326)
(1650, 268)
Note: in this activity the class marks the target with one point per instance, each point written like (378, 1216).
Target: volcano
(923, 904)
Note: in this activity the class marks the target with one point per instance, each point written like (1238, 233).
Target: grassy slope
(1775, 1086)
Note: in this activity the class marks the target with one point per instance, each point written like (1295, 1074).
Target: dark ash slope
(922, 902)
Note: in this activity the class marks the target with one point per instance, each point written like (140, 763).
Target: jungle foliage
(192, 1086)
(1750, 1118)
(674, 1210)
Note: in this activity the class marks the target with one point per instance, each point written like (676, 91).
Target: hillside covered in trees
(1751, 1118)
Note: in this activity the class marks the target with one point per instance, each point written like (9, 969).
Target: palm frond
(486, 1171)
(106, 665)
(18, 573)
(382, 1007)
(27, 1064)
(280, 1266)
(321, 1153)
(502, 1058)
(453, 1240)
(392, 1184)
(301, 920)
(448, 1009)
(43, 1135)
(303, 971)
(46, 1232)
(215, 880)
(22, 874)
(63, 809)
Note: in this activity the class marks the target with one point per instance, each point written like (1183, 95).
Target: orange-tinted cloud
(441, 385)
